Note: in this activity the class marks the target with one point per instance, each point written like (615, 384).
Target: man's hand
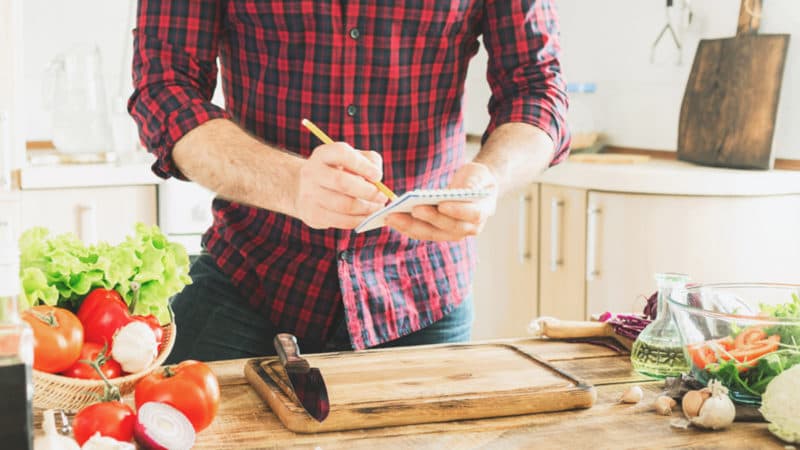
(333, 191)
(451, 221)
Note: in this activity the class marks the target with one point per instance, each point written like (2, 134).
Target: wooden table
(245, 421)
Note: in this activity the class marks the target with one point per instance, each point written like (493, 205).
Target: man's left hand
(451, 221)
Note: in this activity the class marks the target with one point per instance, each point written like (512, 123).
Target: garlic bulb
(717, 411)
(99, 442)
(51, 439)
(135, 347)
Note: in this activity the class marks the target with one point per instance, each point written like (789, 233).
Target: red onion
(626, 325)
(161, 427)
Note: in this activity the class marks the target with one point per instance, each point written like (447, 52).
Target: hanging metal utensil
(667, 28)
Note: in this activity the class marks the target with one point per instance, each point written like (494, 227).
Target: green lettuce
(61, 270)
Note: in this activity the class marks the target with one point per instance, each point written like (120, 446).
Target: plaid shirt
(383, 75)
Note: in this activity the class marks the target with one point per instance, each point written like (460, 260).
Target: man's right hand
(333, 190)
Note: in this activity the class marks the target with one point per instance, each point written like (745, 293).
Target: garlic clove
(663, 405)
(717, 411)
(633, 394)
(691, 403)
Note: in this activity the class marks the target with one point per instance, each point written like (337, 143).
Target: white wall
(52, 27)
(638, 103)
(608, 42)
(11, 75)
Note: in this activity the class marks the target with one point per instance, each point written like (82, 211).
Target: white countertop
(120, 173)
(655, 176)
(673, 178)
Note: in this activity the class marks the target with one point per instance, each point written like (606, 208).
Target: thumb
(471, 176)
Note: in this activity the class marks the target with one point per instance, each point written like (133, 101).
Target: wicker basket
(72, 394)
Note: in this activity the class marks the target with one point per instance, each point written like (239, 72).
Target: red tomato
(93, 351)
(57, 337)
(151, 321)
(112, 419)
(190, 387)
(102, 313)
(702, 355)
(749, 354)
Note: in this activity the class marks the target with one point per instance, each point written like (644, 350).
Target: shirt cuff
(534, 112)
(180, 122)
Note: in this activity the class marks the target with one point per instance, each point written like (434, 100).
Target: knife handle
(289, 353)
(566, 329)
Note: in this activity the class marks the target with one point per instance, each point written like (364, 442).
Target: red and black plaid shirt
(383, 75)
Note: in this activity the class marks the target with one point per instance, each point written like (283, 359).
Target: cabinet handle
(592, 271)
(524, 238)
(87, 223)
(556, 207)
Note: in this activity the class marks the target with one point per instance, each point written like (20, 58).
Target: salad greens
(790, 334)
(754, 380)
(61, 270)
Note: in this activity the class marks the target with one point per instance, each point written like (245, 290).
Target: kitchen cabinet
(93, 214)
(505, 284)
(713, 239)
(562, 252)
(621, 239)
(10, 211)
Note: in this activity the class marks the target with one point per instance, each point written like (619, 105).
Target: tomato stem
(110, 392)
(168, 372)
(49, 318)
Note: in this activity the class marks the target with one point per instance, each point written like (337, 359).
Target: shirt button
(344, 255)
(352, 110)
(354, 33)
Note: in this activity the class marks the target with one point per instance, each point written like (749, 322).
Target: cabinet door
(562, 258)
(10, 212)
(94, 214)
(711, 239)
(505, 278)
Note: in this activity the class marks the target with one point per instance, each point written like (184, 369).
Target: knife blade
(307, 382)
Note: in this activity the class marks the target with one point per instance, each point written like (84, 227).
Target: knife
(307, 382)
(576, 329)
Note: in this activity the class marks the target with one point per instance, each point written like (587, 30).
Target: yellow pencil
(327, 140)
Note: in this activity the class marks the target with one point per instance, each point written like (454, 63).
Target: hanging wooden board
(382, 388)
(731, 99)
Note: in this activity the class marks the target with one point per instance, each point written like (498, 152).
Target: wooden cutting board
(731, 99)
(379, 388)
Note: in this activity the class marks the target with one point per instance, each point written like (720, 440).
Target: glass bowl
(743, 334)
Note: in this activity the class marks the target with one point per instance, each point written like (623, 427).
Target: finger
(419, 229)
(348, 184)
(343, 156)
(443, 222)
(344, 204)
(466, 211)
(373, 156)
(324, 218)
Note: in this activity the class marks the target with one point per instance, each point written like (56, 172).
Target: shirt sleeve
(174, 73)
(524, 71)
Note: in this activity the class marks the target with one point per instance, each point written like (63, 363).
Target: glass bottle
(657, 352)
(16, 353)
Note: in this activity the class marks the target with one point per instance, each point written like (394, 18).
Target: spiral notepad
(409, 200)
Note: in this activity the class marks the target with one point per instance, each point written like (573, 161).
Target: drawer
(93, 214)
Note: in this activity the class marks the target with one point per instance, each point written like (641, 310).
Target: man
(386, 76)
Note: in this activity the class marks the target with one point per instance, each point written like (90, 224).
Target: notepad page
(407, 201)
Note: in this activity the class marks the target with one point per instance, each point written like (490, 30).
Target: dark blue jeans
(214, 322)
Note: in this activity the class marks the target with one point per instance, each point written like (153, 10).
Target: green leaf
(61, 270)
(35, 288)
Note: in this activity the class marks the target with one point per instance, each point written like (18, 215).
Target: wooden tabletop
(245, 421)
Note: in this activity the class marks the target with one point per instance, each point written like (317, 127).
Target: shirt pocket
(279, 20)
(437, 18)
